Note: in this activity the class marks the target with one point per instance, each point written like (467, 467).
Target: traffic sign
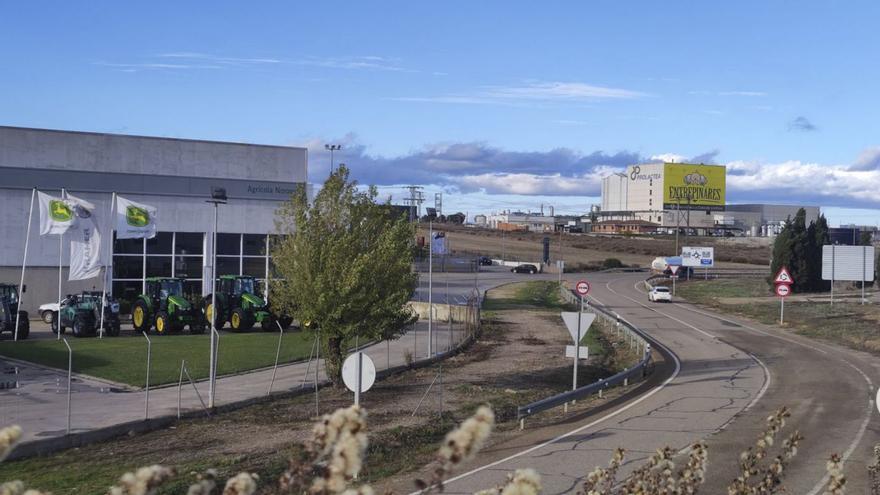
(674, 269)
(583, 287)
(698, 256)
(571, 323)
(783, 290)
(783, 277)
(582, 353)
(350, 372)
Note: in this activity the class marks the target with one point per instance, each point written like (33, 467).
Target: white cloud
(542, 92)
(669, 158)
(869, 159)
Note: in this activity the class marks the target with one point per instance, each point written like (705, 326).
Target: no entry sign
(583, 287)
(783, 290)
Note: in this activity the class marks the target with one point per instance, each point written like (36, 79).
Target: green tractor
(82, 314)
(165, 307)
(241, 304)
(9, 311)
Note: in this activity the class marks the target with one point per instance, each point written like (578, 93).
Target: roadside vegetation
(124, 359)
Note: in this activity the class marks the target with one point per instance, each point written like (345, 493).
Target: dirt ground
(518, 359)
(588, 250)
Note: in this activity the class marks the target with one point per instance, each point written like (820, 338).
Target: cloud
(869, 159)
(157, 66)
(218, 59)
(531, 92)
(707, 157)
(801, 124)
(669, 158)
(349, 63)
(727, 93)
(184, 60)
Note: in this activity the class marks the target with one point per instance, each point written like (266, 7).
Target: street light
(331, 148)
(218, 197)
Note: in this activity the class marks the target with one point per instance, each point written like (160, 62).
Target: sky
(498, 105)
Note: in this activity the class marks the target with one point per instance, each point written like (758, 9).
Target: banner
(135, 220)
(438, 243)
(85, 243)
(698, 187)
(56, 215)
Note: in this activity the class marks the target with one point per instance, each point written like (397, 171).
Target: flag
(56, 215)
(438, 243)
(85, 243)
(135, 220)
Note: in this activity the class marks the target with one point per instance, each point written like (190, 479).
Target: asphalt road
(725, 378)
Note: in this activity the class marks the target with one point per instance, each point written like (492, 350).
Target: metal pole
(674, 276)
(357, 392)
(60, 261)
(147, 396)
(833, 261)
(215, 355)
(430, 287)
(27, 238)
(577, 348)
(212, 365)
(179, 386)
(110, 244)
(277, 355)
(781, 310)
(69, 379)
(309, 364)
(317, 363)
(864, 254)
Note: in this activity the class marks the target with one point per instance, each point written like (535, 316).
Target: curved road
(727, 377)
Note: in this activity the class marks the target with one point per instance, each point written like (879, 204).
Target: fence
(635, 339)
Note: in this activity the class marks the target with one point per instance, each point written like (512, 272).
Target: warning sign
(783, 277)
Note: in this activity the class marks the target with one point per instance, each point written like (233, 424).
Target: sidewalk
(38, 403)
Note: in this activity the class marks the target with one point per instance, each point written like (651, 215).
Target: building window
(659, 219)
(650, 201)
(650, 192)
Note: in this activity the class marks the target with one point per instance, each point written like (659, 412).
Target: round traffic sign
(582, 287)
(350, 372)
(783, 290)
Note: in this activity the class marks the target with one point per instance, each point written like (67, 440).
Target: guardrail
(632, 334)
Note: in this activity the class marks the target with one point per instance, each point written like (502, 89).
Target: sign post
(582, 288)
(674, 276)
(783, 283)
(358, 374)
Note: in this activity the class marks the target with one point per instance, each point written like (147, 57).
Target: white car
(660, 293)
(47, 312)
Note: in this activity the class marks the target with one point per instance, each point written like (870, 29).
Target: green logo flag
(56, 215)
(135, 220)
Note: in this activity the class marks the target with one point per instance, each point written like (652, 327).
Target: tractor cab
(9, 312)
(240, 302)
(163, 304)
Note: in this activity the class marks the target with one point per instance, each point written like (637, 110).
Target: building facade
(174, 175)
(522, 221)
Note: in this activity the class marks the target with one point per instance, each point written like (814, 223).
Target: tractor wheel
(56, 324)
(268, 324)
(24, 326)
(80, 327)
(209, 311)
(163, 325)
(240, 320)
(196, 328)
(140, 317)
(285, 322)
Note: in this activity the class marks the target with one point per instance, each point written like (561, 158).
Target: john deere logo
(59, 211)
(696, 179)
(137, 217)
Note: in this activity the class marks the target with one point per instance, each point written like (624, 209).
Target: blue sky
(499, 104)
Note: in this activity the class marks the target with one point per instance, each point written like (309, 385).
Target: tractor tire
(140, 317)
(163, 323)
(268, 324)
(240, 321)
(24, 325)
(285, 322)
(80, 327)
(48, 317)
(209, 309)
(56, 324)
(197, 328)
(113, 330)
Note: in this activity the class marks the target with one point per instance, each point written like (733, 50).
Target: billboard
(698, 256)
(854, 263)
(699, 187)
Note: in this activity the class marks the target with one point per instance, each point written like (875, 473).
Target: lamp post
(331, 148)
(218, 197)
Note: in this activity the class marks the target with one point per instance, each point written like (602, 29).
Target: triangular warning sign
(783, 277)
(674, 268)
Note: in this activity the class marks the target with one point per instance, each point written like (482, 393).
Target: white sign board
(698, 256)
(350, 372)
(571, 323)
(583, 354)
(854, 263)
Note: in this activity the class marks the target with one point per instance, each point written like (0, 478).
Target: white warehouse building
(174, 175)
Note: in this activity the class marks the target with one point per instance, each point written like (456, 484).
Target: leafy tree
(344, 266)
(782, 250)
(799, 248)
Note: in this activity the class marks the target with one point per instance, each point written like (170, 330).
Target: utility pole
(438, 203)
(331, 148)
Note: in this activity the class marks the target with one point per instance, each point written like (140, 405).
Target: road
(461, 285)
(726, 378)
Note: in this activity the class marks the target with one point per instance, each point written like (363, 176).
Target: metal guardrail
(632, 334)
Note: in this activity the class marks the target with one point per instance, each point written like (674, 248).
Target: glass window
(192, 290)
(126, 291)
(255, 267)
(254, 245)
(158, 266)
(227, 265)
(128, 246)
(188, 266)
(189, 243)
(229, 244)
(128, 266)
(161, 244)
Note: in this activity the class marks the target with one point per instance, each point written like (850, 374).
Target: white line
(764, 388)
(852, 447)
(579, 429)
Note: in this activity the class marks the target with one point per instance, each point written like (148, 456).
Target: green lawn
(542, 294)
(708, 291)
(124, 359)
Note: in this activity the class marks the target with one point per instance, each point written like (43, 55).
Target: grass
(709, 291)
(124, 359)
(541, 294)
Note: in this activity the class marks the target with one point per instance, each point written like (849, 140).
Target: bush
(612, 263)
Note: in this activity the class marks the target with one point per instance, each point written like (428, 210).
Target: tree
(345, 266)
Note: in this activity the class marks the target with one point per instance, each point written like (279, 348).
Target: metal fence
(634, 338)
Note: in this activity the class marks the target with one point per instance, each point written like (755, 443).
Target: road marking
(852, 447)
(578, 429)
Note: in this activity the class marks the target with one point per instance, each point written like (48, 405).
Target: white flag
(438, 244)
(56, 215)
(135, 220)
(85, 243)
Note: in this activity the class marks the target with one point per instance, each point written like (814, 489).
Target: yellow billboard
(700, 187)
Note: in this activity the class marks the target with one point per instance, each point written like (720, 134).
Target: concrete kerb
(81, 376)
(80, 439)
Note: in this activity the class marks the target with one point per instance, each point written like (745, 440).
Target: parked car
(660, 293)
(47, 312)
(525, 268)
(485, 261)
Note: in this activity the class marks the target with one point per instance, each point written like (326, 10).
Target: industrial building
(670, 196)
(518, 221)
(174, 175)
